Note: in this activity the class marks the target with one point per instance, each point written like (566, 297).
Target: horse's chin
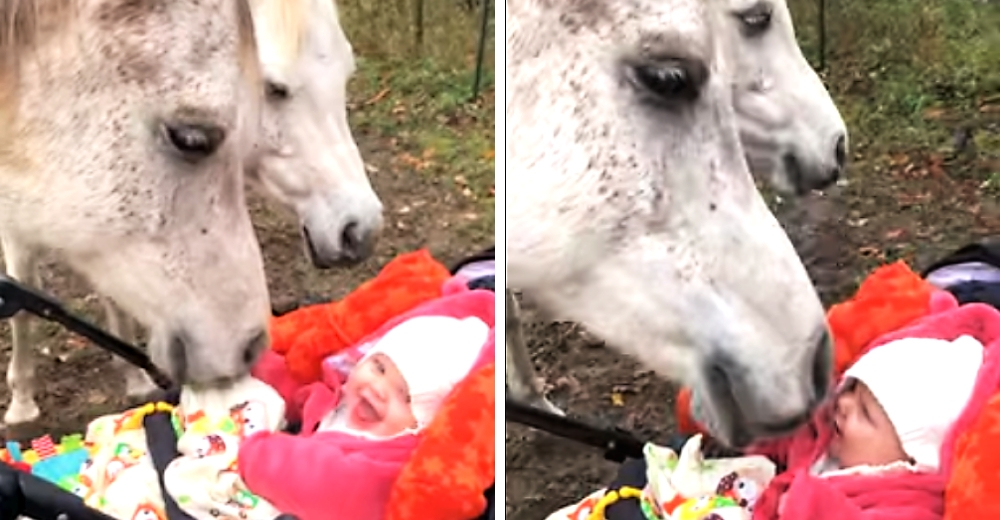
(725, 422)
(767, 168)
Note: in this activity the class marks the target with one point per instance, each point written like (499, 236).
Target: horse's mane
(288, 22)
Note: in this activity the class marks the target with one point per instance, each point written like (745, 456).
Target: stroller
(23, 494)
(971, 274)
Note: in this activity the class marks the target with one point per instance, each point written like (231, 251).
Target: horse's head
(791, 130)
(124, 129)
(630, 208)
(307, 158)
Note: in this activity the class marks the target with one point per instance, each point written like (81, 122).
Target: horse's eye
(671, 81)
(756, 20)
(194, 141)
(276, 91)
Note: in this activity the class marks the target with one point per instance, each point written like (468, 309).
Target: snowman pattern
(250, 417)
(741, 490)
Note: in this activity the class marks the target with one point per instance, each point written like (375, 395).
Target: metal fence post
(480, 52)
(822, 35)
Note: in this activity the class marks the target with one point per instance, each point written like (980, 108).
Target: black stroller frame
(25, 495)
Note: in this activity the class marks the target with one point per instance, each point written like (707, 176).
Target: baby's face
(863, 434)
(377, 398)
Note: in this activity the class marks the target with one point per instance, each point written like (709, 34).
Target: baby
(897, 402)
(358, 432)
(876, 446)
(399, 384)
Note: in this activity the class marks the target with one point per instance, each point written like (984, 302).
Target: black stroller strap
(617, 444)
(632, 473)
(162, 443)
(15, 298)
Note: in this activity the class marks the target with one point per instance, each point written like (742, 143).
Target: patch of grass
(424, 109)
(417, 94)
(907, 73)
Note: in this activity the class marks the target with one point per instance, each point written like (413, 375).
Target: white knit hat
(433, 353)
(923, 385)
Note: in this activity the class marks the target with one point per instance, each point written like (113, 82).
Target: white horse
(631, 209)
(123, 132)
(305, 157)
(791, 131)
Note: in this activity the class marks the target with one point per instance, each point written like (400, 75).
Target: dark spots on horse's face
(580, 14)
(114, 14)
(711, 206)
(657, 195)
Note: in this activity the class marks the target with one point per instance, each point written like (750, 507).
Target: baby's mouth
(364, 409)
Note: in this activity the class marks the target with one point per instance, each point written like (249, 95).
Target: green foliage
(906, 72)
(418, 95)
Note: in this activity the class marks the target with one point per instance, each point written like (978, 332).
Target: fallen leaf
(377, 97)
(617, 399)
(934, 113)
(899, 159)
(489, 154)
(895, 233)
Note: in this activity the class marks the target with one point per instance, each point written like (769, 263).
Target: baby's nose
(380, 391)
(844, 403)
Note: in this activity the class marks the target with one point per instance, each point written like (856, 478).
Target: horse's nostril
(841, 151)
(351, 240)
(258, 343)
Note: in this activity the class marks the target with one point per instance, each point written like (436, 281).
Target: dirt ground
(915, 206)
(76, 380)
